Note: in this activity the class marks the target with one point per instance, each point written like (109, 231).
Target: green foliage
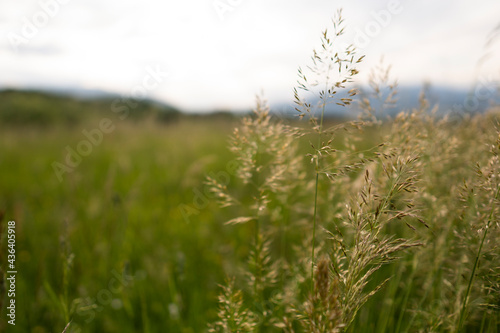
(34, 108)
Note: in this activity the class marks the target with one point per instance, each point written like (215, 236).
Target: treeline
(20, 107)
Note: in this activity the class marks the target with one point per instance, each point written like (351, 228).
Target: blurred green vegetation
(129, 239)
(116, 213)
(45, 109)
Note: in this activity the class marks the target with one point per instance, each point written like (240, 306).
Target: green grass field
(131, 239)
(116, 213)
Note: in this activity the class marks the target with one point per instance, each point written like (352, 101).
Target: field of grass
(116, 213)
(131, 238)
(151, 221)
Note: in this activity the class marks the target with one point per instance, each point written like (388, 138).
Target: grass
(117, 215)
(379, 207)
(113, 213)
(359, 226)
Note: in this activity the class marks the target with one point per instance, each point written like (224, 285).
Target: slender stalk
(257, 262)
(403, 305)
(257, 274)
(316, 191)
(469, 286)
(314, 233)
(483, 321)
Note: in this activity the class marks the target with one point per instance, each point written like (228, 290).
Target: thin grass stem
(476, 261)
(316, 187)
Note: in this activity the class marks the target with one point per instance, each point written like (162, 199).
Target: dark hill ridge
(65, 107)
(70, 106)
(44, 108)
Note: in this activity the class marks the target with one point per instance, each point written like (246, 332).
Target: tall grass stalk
(315, 214)
(463, 311)
(324, 62)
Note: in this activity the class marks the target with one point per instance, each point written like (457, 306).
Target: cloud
(257, 45)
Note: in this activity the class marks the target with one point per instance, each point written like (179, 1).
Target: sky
(218, 54)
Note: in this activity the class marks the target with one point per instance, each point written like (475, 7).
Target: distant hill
(448, 99)
(72, 106)
(43, 108)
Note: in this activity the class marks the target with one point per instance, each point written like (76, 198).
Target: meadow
(117, 213)
(169, 223)
(133, 240)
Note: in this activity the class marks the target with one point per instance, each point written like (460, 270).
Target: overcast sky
(220, 53)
